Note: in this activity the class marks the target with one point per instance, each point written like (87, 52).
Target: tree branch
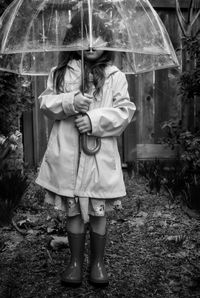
(190, 11)
(181, 19)
(195, 18)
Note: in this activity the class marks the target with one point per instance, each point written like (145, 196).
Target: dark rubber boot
(73, 274)
(98, 274)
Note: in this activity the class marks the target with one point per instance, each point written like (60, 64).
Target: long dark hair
(97, 68)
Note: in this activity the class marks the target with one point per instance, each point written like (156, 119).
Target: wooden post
(35, 123)
(187, 25)
(146, 108)
(130, 134)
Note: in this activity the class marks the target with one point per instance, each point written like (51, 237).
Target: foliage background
(14, 98)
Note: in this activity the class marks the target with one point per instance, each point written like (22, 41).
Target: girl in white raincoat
(85, 186)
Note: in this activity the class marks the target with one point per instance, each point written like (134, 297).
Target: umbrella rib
(50, 19)
(10, 24)
(90, 8)
(8, 9)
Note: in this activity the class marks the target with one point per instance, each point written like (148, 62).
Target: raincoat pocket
(108, 153)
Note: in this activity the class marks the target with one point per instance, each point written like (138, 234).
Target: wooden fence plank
(166, 88)
(36, 127)
(36, 136)
(155, 151)
(28, 140)
(166, 4)
(162, 102)
(146, 108)
(44, 124)
(130, 134)
(170, 21)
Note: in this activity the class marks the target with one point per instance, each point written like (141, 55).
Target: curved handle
(90, 151)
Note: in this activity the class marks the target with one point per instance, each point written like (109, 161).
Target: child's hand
(83, 124)
(82, 102)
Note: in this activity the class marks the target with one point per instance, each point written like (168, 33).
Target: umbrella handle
(86, 150)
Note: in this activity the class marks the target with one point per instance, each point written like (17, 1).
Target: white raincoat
(63, 171)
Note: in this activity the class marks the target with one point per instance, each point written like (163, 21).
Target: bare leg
(98, 224)
(75, 225)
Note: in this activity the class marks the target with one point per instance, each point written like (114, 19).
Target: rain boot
(98, 274)
(73, 274)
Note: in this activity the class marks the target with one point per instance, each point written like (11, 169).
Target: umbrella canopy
(32, 64)
(33, 32)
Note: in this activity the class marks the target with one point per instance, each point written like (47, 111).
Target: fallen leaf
(58, 242)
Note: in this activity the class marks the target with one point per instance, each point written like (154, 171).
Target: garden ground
(153, 250)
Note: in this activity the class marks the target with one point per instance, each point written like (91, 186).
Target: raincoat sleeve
(111, 121)
(56, 106)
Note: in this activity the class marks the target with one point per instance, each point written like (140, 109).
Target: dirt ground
(153, 250)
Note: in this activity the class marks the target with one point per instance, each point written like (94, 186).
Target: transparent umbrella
(34, 32)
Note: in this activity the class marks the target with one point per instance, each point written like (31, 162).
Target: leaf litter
(153, 250)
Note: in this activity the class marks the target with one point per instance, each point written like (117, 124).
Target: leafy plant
(14, 97)
(14, 100)
(190, 52)
(152, 171)
(185, 179)
(189, 81)
(182, 177)
(188, 144)
(12, 188)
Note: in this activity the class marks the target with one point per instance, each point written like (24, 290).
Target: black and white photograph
(100, 148)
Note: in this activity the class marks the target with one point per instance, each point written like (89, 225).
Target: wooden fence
(154, 93)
